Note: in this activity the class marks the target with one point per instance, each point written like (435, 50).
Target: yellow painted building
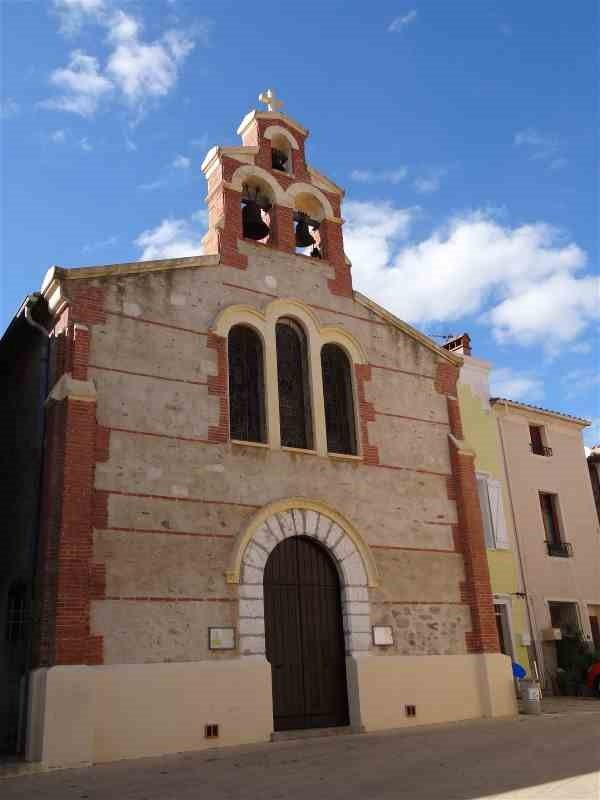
(481, 432)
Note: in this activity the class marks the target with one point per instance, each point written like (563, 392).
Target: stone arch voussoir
(351, 556)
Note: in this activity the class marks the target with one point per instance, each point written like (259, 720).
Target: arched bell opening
(308, 215)
(281, 154)
(257, 202)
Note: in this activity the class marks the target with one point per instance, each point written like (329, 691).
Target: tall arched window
(246, 385)
(339, 402)
(294, 385)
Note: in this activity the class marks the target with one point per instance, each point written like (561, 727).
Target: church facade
(258, 510)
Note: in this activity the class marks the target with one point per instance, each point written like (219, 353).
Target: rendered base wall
(443, 689)
(80, 715)
(91, 714)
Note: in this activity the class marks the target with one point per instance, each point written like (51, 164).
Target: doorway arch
(301, 517)
(304, 636)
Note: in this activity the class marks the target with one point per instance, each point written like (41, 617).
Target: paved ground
(552, 757)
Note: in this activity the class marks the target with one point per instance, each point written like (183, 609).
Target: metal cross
(272, 102)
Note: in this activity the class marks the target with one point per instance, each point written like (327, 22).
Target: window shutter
(497, 514)
(484, 503)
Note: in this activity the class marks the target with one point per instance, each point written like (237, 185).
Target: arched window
(294, 386)
(246, 385)
(339, 403)
(16, 612)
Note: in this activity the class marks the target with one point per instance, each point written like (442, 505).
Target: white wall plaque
(221, 638)
(382, 635)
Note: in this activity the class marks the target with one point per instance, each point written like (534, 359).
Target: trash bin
(531, 697)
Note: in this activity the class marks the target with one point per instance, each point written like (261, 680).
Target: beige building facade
(240, 445)
(502, 548)
(551, 501)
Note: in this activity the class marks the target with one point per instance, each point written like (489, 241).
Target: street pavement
(555, 756)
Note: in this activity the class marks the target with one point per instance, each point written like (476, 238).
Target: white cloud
(370, 234)
(172, 238)
(181, 162)
(9, 108)
(83, 84)
(143, 71)
(520, 279)
(558, 307)
(136, 72)
(152, 185)
(426, 184)
(85, 145)
(59, 136)
(383, 176)
(130, 144)
(110, 241)
(506, 382)
(544, 147)
(201, 141)
(74, 13)
(122, 27)
(582, 380)
(582, 348)
(401, 22)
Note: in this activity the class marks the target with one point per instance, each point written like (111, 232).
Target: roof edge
(407, 329)
(581, 421)
(126, 268)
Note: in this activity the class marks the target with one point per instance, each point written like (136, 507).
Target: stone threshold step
(312, 733)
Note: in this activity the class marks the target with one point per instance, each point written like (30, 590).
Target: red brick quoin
(68, 577)
(366, 414)
(468, 535)
(217, 386)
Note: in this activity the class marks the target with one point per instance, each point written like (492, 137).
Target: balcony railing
(560, 549)
(540, 449)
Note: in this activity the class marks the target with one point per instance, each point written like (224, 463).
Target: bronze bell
(278, 159)
(303, 235)
(253, 225)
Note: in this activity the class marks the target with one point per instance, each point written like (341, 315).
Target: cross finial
(272, 102)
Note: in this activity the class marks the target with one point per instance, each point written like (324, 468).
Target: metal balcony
(540, 450)
(560, 549)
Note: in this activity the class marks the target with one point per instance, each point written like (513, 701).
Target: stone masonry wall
(170, 499)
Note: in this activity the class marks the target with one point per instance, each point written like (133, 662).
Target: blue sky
(464, 134)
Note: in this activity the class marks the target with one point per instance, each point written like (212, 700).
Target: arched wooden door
(304, 637)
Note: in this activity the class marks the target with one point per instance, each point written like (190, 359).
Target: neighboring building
(23, 371)
(258, 512)
(556, 524)
(481, 434)
(593, 461)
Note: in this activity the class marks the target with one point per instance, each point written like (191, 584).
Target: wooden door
(304, 637)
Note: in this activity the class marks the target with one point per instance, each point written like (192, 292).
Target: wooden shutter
(497, 514)
(537, 446)
(484, 503)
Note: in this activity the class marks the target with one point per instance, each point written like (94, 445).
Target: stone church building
(257, 512)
